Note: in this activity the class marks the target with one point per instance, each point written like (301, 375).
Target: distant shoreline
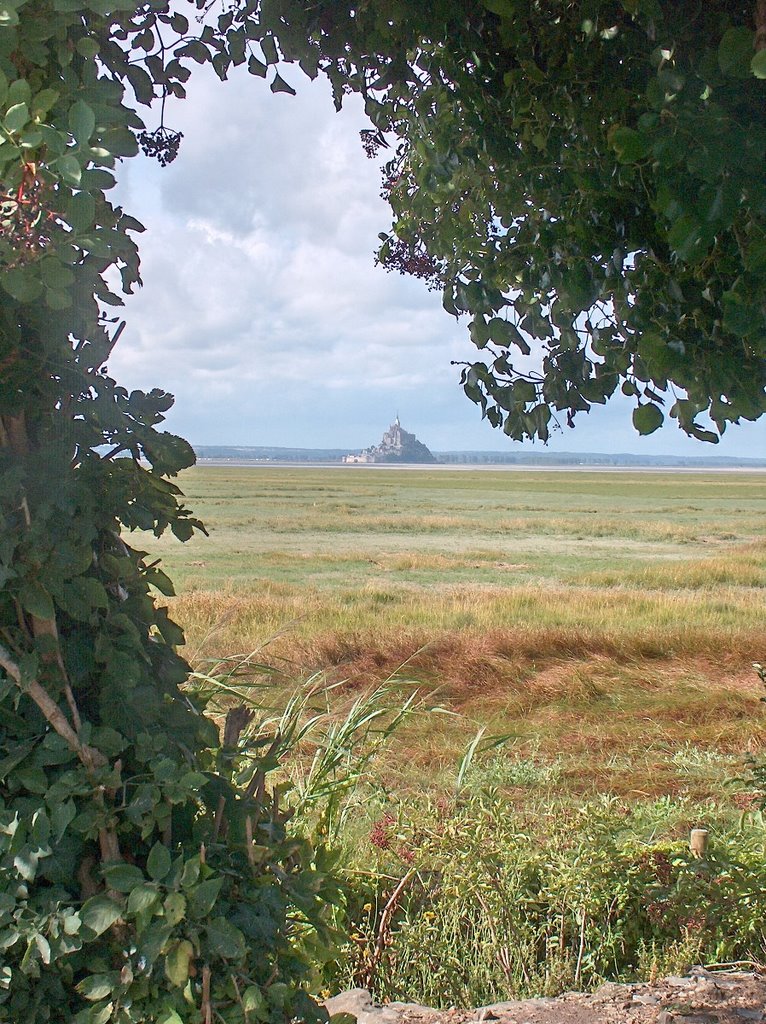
(482, 467)
(271, 455)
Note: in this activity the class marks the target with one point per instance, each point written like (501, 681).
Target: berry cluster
(372, 142)
(413, 261)
(25, 220)
(162, 144)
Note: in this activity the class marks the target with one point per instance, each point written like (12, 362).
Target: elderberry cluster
(415, 262)
(25, 222)
(372, 142)
(162, 144)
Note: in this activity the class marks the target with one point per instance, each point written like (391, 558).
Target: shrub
(501, 903)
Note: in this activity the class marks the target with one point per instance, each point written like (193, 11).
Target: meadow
(577, 649)
(604, 623)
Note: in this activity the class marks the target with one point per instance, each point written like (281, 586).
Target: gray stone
(359, 1003)
(646, 999)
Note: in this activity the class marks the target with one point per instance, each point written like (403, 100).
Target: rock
(358, 1002)
(610, 991)
(664, 1017)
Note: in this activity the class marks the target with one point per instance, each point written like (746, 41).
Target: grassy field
(606, 621)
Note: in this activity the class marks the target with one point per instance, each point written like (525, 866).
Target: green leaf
(169, 1016)
(202, 898)
(256, 67)
(19, 91)
(99, 913)
(143, 897)
(82, 121)
(269, 50)
(96, 178)
(502, 8)
(141, 84)
(153, 940)
(33, 779)
(62, 816)
(43, 101)
(735, 52)
(758, 64)
(16, 117)
(158, 862)
(56, 298)
(647, 418)
(36, 600)
(68, 166)
(196, 50)
(342, 1018)
(101, 1014)
(22, 284)
(54, 274)
(97, 986)
(225, 940)
(629, 145)
(253, 1002)
(87, 47)
(175, 908)
(177, 962)
(280, 85)
(123, 877)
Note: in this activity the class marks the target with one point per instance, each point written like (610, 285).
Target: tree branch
(760, 25)
(53, 714)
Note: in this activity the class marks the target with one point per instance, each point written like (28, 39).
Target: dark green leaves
(629, 145)
(280, 85)
(15, 118)
(123, 877)
(99, 913)
(224, 940)
(758, 64)
(735, 52)
(82, 122)
(647, 418)
(141, 83)
(158, 864)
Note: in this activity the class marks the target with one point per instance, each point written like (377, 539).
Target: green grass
(606, 621)
(348, 527)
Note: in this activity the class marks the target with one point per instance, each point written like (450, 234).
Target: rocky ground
(702, 997)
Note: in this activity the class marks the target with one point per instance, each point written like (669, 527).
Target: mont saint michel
(397, 445)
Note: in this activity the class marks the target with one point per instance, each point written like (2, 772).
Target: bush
(500, 903)
(198, 912)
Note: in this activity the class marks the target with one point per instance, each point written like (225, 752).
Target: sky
(264, 313)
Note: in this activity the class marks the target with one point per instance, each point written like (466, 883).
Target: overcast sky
(262, 310)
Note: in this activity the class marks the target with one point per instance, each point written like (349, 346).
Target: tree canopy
(588, 182)
(585, 182)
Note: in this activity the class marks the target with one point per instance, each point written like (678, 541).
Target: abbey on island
(397, 445)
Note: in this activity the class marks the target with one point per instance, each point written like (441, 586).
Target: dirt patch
(702, 997)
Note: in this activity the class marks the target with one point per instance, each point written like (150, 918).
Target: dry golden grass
(604, 621)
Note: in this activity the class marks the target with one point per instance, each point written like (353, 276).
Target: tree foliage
(584, 179)
(588, 180)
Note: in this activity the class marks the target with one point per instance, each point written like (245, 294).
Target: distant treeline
(232, 453)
